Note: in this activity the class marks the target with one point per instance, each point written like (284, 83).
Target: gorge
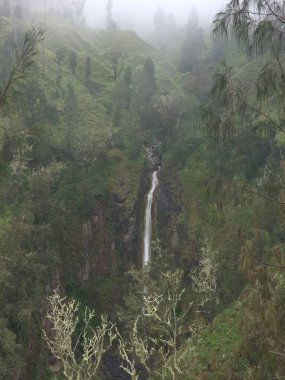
(108, 142)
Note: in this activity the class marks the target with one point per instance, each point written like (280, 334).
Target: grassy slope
(113, 172)
(95, 109)
(217, 356)
(95, 120)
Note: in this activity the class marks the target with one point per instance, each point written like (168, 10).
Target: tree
(170, 23)
(156, 330)
(263, 306)
(157, 318)
(72, 115)
(59, 57)
(122, 95)
(259, 27)
(133, 349)
(205, 280)
(172, 108)
(159, 19)
(110, 23)
(91, 144)
(193, 47)
(73, 61)
(32, 256)
(126, 89)
(88, 69)
(193, 20)
(149, 86)
(116, 58)
(78, 9)
(10, 352)
(256, 109)
(91, 342)
(35, 105)
(144, 99)
(164, 30)
(230, 108)
(23, 63)
(18, 10)
(256, 24)
(6, 8)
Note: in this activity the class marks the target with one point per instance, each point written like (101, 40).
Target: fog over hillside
(138, 14)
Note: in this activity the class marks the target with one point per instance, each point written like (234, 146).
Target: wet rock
(153, 158)
(112, 235)
(170, 227)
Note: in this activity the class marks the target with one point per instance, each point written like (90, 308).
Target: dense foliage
(78, 109)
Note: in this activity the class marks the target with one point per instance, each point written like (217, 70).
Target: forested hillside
(96, 127)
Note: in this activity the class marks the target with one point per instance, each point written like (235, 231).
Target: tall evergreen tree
(193, 46)
(18, 10)
(88, 69)
(146, 90)
(72, 115)
(73, 61)
(148, 85)
(6, 8)
(110, 23)
(78, 9)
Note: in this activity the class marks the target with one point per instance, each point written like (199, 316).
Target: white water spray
(147, 227)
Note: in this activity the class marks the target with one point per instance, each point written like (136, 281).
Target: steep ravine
(112, 235)
(126, 248)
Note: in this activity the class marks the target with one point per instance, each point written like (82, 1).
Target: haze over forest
(139, 14)
(142, 190)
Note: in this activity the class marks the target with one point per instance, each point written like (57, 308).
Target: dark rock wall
(112, 235)
(171, 228)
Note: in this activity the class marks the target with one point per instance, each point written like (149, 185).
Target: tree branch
(5, 258)
(248, 189)
(252, 108)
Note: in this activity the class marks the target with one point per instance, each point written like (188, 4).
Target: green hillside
(82, 149)
(142, 195)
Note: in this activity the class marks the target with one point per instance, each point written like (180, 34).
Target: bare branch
(93, 342)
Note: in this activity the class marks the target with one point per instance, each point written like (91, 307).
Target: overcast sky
(135, 14)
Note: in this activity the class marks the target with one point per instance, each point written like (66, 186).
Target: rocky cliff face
(171, 228)
(153, 158)
(112, 235)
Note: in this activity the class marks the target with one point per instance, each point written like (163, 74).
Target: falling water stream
(148, 222)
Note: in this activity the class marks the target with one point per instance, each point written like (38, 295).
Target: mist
(138, 14)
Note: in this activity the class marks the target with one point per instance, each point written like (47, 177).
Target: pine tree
(193, 46)
(110, 23)
(18, 10)
(73, 61)
(6, 8)
(88, 69)
(78, 9)
(72, 115)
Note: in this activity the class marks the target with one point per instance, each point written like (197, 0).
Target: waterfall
(147, 227)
